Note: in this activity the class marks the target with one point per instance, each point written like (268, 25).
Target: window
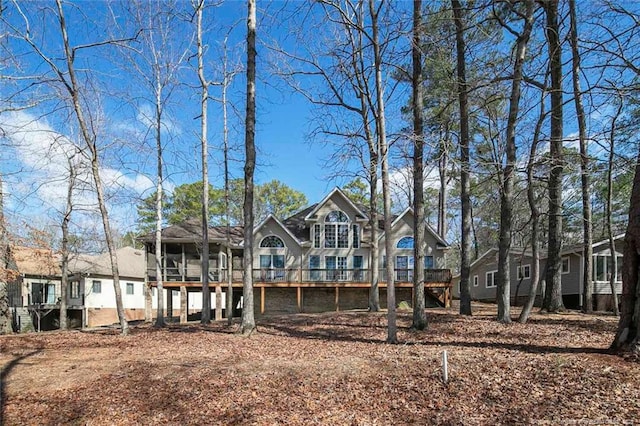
(336, 230)
(272, 266)
(475, 281)
(491, 279)
(129, 288)
(428, 262)
(356, 236)
(565, 265)
(50, 293)
(314, 268)
(75, 289)
(271, 241)
(336, 267)
(316, 236)
(97, 287)
(357, 268)
(405, 243)
(599, 265)
(524, 272)
(343, 236)
(404, 268)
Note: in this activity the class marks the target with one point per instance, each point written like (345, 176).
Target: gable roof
(336, 190)
(191, 230)
(439, 239)
(297, 226)
(271, 216)
(131, 263)
(36, 261)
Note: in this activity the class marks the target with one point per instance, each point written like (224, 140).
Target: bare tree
(534, 208)
(508, 173)
(464, 142)
(5, 276)
(64, 248)
(609, 201)
(204, 98)
(553, 294)
(349, 88)
(248, 324)
(587, 225)
(419, 316)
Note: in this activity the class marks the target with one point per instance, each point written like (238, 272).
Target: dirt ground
(329, 368)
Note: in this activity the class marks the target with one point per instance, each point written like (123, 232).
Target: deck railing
(294, 275)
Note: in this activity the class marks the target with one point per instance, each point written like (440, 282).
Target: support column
(218, 311)
(299, 296)
(337, 299)
(262, 300)
(170, 303)
(184, 296)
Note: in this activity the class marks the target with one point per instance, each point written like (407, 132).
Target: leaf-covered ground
(329, 368)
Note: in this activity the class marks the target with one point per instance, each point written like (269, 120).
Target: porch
(308, 290)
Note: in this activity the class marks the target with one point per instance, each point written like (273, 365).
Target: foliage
(273, 197)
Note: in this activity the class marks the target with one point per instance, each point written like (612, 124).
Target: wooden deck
(437, 284)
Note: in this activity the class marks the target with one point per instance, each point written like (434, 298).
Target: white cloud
(42, 155)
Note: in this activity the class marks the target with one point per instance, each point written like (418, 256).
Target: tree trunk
(627, 337)
(204, 98)
(587, 225)
(506, 199)
(553, 295)
(419, 316)
(465, 198)
(73, 89)
(6, 318)
(535, 218)
(248, 325)
(443, 159)
(392, 330)
(64, 264)
(227, 208)
(374, 292)
(159, 194)
(607, 218)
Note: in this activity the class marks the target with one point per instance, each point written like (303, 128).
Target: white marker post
(445, 368)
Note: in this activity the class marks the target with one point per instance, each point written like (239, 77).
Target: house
(35, 296)
(317, 260)
(485, 268)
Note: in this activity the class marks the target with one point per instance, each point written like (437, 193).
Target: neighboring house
(92, 282)
(35, 296)
(316, 260)
(484, 271)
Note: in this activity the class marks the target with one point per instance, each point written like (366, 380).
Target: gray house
(484, 271)
(319, 259)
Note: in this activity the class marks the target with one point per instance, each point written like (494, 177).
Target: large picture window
(336, 230)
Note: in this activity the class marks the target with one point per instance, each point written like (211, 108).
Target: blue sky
(35, 182)
(37, 140)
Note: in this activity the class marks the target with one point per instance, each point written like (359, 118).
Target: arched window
(272, 241)
(336, 230)
(336, 216)
(405, 243)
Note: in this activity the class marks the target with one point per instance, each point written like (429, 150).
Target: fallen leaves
(325, 369)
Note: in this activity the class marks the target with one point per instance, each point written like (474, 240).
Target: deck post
(170, 303)
(262, 300)
(184, 296)
(447, 298)
(299, 296)
(218, 311)
(337, 299)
